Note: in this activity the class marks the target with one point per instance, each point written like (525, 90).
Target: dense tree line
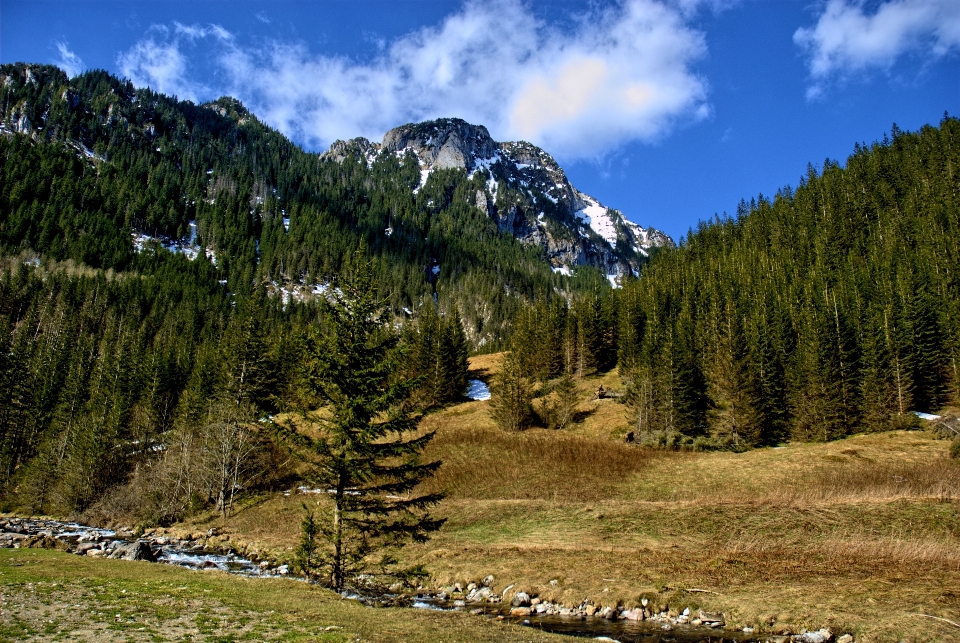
(149, 392)
(827, 310)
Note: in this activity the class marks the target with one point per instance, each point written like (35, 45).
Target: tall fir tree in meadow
(511, 395)
(364, 445)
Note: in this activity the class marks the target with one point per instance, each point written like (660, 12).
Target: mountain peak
(445, 143)
(542, 208)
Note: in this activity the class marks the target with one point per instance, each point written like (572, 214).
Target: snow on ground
(90, 154)
(492, 187)
(926, 416)
(484, 164)
(299, 292)
(641, 235)
(424, 175)
(477, 390)
(595, 215)
(563, 270)
(613, 281)
(185, 247)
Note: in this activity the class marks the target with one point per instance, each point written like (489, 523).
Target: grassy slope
(862, 535)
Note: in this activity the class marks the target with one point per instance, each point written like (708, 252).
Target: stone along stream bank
(645, 623)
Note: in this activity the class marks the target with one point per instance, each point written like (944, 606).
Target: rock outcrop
(527, 194)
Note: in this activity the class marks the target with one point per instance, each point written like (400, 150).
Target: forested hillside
(98, 160)
(823, 311)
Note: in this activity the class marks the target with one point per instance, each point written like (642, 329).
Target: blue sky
(670, 110)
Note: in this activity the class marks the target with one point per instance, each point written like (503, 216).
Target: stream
(192, 554)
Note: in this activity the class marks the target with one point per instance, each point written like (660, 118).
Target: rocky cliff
(527, 193)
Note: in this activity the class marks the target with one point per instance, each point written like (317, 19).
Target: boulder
(139, 550)
(846, 638)
(632, 615)
(521, 599)
(482, 594)
(520, 611)
(487, 581)
(711, 618)
(820, 636)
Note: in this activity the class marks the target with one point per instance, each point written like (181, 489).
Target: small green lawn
(53, 596)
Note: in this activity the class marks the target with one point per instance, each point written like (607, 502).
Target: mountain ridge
(589, 233)
(122, 178)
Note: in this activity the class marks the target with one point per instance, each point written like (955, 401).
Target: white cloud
(848, 39)
(619, 74)
(69, 61)
(158, 61)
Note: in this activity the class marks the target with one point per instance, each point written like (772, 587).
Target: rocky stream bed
(645, 623)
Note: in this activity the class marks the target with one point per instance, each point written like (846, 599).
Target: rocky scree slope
(527, 194)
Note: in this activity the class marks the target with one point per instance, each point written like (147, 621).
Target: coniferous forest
(132, 376)
(827, 310)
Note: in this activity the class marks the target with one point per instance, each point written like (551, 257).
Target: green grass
(104, 600)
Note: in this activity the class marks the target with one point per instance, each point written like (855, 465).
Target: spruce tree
(363, 447)
(511, 395)
(565, 407)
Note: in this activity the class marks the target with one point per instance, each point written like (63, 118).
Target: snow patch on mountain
(597, 217)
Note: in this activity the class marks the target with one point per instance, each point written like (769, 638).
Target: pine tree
(565, 406)
(733, 416)
(511, 395)
(362, 448)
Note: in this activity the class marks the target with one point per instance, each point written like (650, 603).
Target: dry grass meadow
(861, 535)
